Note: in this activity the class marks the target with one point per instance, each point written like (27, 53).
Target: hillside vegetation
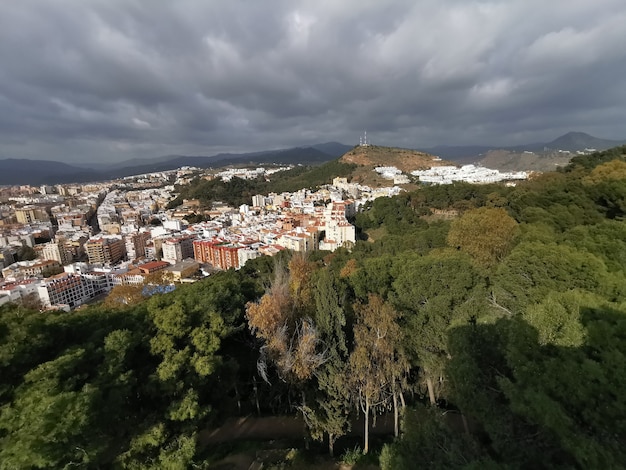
(239, 191)
(499, 336)
(357, 165)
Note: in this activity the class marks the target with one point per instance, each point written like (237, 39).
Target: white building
(468, 173)
(56, 251)
(177, 249)
(62, 289)
(246, 254)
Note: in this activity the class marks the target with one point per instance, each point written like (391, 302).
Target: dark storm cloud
(122, 78)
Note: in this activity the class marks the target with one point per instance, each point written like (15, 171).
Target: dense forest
(488, 321)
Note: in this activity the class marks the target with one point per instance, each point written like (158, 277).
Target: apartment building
(177, 249)
(62, 289)
(298, 240)
(29, 214)
(217, 252)
(26, 269)
(183, 269)
(56, 251)
(105, 250)
(135, 244)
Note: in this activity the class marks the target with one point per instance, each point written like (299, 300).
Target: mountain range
(37, 172)
(571, 142)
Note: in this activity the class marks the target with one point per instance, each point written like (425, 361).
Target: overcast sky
(108, 80)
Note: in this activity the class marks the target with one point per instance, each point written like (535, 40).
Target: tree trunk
(331, 444)
(395, 415)
(238, 399)
(402, 399)
(306, 427)
(431, 390)
(467, 431)
(256, 397)
(366, 443)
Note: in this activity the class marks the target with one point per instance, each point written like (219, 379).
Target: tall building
(62, 289)
(30, 214)
(218, 253)
(246, 254)
(258, 201)
(105, 250)
(339, 232)
(57, 252)
(177, 249)
(136, 244)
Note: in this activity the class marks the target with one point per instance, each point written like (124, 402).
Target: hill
(571, 142)
(36, 172)
(574, 141)
(507, 160)
(405, 159)
(371, 156)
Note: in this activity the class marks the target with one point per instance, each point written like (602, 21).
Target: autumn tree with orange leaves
(282, 319)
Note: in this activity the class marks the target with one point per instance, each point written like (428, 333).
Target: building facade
(105, 250)
(218, 253)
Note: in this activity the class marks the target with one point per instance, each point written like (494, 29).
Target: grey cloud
(122, 78)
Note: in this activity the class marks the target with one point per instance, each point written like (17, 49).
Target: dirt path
(279, 427)
(254, 428)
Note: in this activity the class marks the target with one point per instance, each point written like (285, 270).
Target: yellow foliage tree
(123, 295)
(614, 170)
(487, 234)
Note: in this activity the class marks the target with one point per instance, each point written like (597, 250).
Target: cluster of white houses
(468, 173)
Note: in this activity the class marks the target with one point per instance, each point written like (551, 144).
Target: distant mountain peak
(574, 141)
(576, 134)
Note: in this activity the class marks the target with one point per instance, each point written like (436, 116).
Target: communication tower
(363, 140)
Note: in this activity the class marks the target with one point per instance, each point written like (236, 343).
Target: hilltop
(405, 159)
(369, 157)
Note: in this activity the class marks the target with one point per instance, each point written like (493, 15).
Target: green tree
(50, 421)
(377, 362)
(124, 296)
(532, 270)
(574, 390)
(428, 442)
(436, 292)
(26, 253)
(486, 233)
(328, 412)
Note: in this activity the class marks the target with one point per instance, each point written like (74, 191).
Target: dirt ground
(276, 434)
(253, 428)
(280, 427)
(246, 461)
